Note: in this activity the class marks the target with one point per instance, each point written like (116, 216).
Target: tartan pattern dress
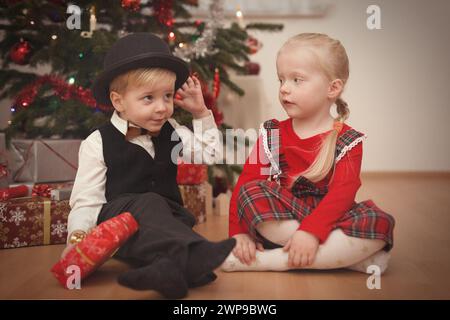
(264, 200)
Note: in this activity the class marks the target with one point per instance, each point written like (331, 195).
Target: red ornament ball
(133, 5)
(253, 44)
(252, 68)
(20, 52)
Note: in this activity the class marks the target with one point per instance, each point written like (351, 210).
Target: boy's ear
(335, 88)
(116, 100)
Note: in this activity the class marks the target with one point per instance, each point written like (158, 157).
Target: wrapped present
(4, 176)
(43, 160)
(54, 191)
(28, 185)
(57, 185)
(192, 174)
(13, 192)
(2, 142)
(99, 245)
(61, 194)
(197, 199)
(4, 173)
(33, 221)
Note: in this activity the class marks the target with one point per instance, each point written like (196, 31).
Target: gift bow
(3, 171)
(41, 190)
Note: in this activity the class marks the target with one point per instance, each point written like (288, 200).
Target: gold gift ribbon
(47, 220)
(85, 258)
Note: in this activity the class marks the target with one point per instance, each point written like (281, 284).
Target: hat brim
(100, 88)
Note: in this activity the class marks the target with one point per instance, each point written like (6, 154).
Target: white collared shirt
(88, 194)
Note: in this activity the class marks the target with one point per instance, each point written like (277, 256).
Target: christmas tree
(72, 38)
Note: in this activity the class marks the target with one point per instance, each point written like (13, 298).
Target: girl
(305, 210)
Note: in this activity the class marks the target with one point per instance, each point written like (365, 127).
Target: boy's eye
(169, 95)
(297, 80)
(148, 98)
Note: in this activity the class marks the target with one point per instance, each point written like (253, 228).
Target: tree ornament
(20, 52)
(252, 68)
(204, 45)
(163, 10)
(253, 44)
(61, 88)
(216, 83)
(133, 5)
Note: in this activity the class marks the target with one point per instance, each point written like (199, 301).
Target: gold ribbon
(47, 220)
(84, 257)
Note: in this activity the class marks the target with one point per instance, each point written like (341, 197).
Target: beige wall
(398, 91)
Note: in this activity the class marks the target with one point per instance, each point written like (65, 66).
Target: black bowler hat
(134, 51)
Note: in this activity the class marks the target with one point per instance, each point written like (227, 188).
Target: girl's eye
(148, 98)
(169, 95)
(298, 80)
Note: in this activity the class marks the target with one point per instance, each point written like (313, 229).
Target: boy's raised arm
(204, 145)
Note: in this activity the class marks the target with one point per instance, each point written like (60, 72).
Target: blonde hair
(139, 77)
(333, 61)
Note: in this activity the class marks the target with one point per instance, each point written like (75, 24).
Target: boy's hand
(75, 237)
(190, 98)
(302, 247)
(245, 249)
(67, 249)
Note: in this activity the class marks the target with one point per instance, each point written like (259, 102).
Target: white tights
(339, 251)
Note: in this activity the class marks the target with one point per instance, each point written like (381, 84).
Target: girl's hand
(190, 98)
(302, 247)
(245, 249)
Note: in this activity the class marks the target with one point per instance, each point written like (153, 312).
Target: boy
(129, 164)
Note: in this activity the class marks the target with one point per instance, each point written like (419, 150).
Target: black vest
(131, 169)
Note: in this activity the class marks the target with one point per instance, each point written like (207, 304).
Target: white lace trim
(274, 166)
(273, 163)
(350, 147)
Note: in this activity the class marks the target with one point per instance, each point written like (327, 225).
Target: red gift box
(35, 190)
(3, 175)
(13, 192)
(98, 246)
(4, 172)
(197, 199)
(190, 174)
(45, 189)
(32, 222)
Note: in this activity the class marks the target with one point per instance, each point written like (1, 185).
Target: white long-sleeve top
(88, 194)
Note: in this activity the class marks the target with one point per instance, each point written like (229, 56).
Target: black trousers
(165, 228)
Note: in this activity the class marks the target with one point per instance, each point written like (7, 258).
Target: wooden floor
(419, 267)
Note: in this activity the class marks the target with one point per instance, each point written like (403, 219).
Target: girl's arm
(340, 197)
(252, 170)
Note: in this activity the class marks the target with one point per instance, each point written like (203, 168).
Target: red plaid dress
(264, 200)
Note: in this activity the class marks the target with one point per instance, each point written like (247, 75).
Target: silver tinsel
(205, 44)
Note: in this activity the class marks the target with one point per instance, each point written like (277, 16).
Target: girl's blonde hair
(139, 77)
(333, 60)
